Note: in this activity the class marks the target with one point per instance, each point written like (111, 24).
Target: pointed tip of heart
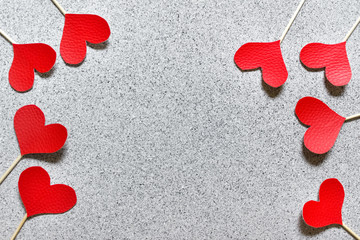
(264, 55)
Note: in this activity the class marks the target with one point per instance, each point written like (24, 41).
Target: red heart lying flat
(28, 57)
(328, 210)
(40, 197)
(33, 135)
(332, 57)
(264, 55)
(78, 29)
(325, 124)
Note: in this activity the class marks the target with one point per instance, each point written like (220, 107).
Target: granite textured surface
(168, 139)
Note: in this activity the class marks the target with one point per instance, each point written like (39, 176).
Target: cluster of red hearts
(325, 124)
(38, 196)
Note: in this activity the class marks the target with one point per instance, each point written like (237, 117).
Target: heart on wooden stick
(325, 124)
(79, 29)
(327, 210)
(331, 57)
(32, 133)
(264, 55)
(40, 197)
(34, 136)
(267, 56)
(27, 58)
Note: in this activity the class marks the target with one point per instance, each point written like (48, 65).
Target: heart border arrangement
(268, 57)
(78, 30)
(38, 196)
(324, 123)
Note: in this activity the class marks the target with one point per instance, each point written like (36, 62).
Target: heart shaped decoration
(325, 124)
(332, 57)
(32, 134)
(78, 29)
(28, 57)
(39, 197)
(328, 209)
(264, 55)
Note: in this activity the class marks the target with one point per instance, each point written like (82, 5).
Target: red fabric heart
(28, 57)
(328, 209)
(332, 57)
(264, 55)
(33, 135)
(325, 124)
(40, 197)
(78, 29)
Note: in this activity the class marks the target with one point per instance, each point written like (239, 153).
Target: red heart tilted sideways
(332, 57)
(28, 57)
(325, 124)
(327, 210)
(264, 55)
(78, 29)
(40, 197)
(32, 134)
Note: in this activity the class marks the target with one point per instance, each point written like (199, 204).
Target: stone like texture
(168, 139)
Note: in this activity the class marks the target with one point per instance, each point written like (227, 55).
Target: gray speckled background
(168, 139)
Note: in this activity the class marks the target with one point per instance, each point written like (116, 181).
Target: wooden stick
(10, 168)
(61, 9)
(19, 227)
(351, 30)
(292, 20)
(352, 117)
(2, 33)
(350, 232)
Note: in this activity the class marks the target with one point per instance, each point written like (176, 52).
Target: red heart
(325, 124)
(78, 29)
(33, 135)
(332, 57)
(28, 57)
(264, 55)
(40, 197)
(328, 209)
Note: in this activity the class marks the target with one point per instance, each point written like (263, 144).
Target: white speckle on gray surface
(168, 139)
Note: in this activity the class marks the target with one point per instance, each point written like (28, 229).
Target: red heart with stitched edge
(39, 197)
(32, 134)
(328, 209)
(264, 55)
(28, 57)
(78, 29)
(332, 57)
(325, 124)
